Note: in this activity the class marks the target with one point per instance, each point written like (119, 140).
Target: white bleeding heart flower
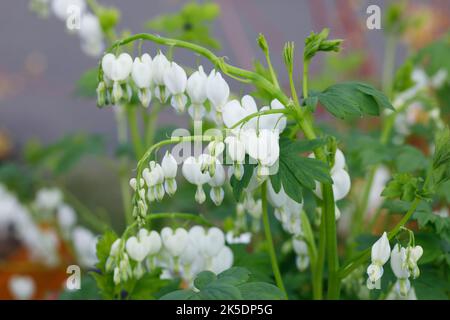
(174, 242)
(300, 247)
(136, 249)
(217, 90)
(115, 248)
(48, 199)
(302, 262)
(263, 147)
(398, 262)
(380, 254)
(91, 35)
(169, 166)
(151, 240)
(196, 89)
(117, 68)
(66, 217)
(413, 254)
(273, 121)
(192, 171)
(235, 148)
(175, 80)
(277, 200)
(64, 8)
(160, 65)
(341, 179)
(234, 111)
(22, 287)
(85, 244)
(141, 74)
(222, 261)
(214, 242)
(216, 182)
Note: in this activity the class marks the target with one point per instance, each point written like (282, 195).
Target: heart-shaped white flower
(142, 71)
(217, 90)
(398, 265)
(117, 68)
(381, 250)
(222, 261)
(196, 86)
(263, 147)
(136, 249)
(169, 166)
(174, 242)
(214, 242)
(175, 79)
(160, 66)
(192, 170)
(234, 111)
(61, 8)
(273, 121)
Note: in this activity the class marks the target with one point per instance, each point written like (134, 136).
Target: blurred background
(42, 98)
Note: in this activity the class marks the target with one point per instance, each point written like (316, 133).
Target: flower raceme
(178, 252)
(163, 79)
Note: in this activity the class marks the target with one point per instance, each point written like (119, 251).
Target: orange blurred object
(49, 281)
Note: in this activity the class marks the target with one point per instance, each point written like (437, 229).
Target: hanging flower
(160, 66)
(196, 89)
(117, 69)
(142, 77)
(169, 166)
(381, 251)
(192, 171)
(175, 80)
(217, 91)
(263, 147)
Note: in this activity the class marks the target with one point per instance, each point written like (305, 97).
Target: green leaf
(192, 23)
(240, 185)
(311, 103)
(231, 284)
(349, 99)
(260, 291)
(203, 279)
(234, 276)
(410, 159)
(219, 291)
(62, 155)
(403, 186)
(296, 172)
(148, 286)
(86, 86)
(88, 290)
(178, 295)
(104, 247)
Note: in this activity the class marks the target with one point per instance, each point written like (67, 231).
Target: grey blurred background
(40, 64)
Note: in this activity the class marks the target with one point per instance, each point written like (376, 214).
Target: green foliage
(403, 77)
(441, 225)
(347, 99)
(441, 158)
(87, 84)
(410, 159)
(149, 286)
(316, 42)
(62, 155)
(240, 185)
(18, 180)
(192, 23)
(231, 284)
(403, 186)
(88, 290)
(288, 55)
(296, 172)
(104, 280)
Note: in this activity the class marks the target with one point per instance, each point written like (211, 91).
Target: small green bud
(262, 42)
(288, 55)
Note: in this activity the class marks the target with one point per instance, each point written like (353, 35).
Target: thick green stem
(305, 78)
(318, 279)
(268, 233)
